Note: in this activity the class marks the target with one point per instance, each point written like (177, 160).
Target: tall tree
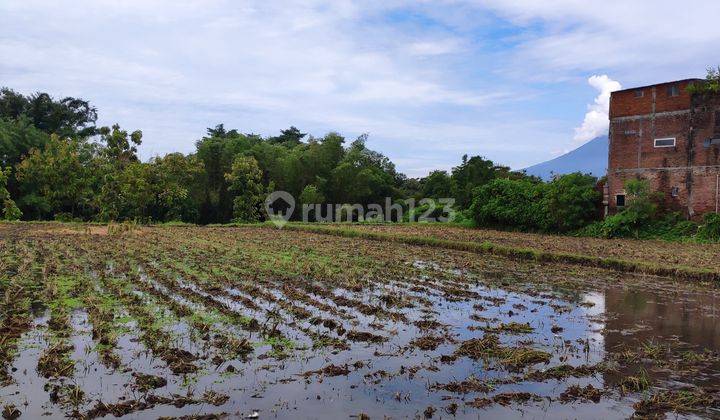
(120, 148)
(68, 117)
(437, 185)
(128, 193)
(177, 180)
(245, 179)
(290, 137)
(57, 179)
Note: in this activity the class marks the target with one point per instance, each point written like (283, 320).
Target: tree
(363, 176)
(290, 137)
(120, 148)
(9, 211)
(17, 138)
(508, 203)
(711, 85)
(245, 179)
(471, 173)
(570, 202)
(57, 179)
(311, 195)
(217, 152)
(127, 193)
(437, 185)
(220, 132)
(68, 117)
(176, 179)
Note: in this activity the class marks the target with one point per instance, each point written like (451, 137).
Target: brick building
(669, 137)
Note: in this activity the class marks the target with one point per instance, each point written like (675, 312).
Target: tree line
(58, 164)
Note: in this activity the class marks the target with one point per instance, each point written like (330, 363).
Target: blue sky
(516, 81)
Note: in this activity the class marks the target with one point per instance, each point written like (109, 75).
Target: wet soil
(211, 322)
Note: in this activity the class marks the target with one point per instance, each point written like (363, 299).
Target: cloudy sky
(513, 80)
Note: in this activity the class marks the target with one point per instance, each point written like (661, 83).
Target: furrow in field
(152, 332)
(196, 284)
(209, 285)
(20, 290)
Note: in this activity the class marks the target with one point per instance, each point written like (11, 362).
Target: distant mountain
(591, 158)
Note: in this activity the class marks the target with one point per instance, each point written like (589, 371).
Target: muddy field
(656, 252)
(257, 322)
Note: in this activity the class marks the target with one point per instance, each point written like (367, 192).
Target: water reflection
(653, 314)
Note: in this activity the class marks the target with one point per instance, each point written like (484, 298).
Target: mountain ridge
(590, 158)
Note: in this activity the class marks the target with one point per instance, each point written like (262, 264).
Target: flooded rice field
(262, 323)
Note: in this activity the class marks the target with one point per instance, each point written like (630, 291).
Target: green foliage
(9, 210)
(17, 138)
(711, 84)
(464, 218)
(565, 204)
(429, 208)
(569, 202)
(68, 117)
(709, 230)
(641, 219)
(311, 195)
(57, 179)
(120, 148)
(127, 193)
(176, 190)
(639, 213)
(671, 227)
(508, 203)
(245, 179)
(363, 176)
(437, 185)
(59, 165)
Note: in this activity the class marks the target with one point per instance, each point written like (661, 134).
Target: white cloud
(435, 47)
(429, 80)
(596, 119)
(173, 69)
(637, 40)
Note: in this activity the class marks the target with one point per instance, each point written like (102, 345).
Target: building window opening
(620, 200)
(639, 93)
(675, 191)
(667, 142)
(673, 90)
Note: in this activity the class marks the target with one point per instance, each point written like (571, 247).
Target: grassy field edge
(681, 272)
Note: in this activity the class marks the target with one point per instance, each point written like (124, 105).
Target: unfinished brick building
(669, 137)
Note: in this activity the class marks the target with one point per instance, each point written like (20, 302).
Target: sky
(516, 81)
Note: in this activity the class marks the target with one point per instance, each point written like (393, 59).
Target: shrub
(567, 203)
(428, 209)
(640, 211)
(710, 229)
(711, 85)
(570, 202)
(507, 203)
(464, 218)
(10, 211)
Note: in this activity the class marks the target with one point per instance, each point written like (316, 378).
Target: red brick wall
(624, 103)
(691, 167)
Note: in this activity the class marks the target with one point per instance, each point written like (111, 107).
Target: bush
(428, 209)
(635, 220)
(508, 203)
(710, 229)
(567, 203)
(570, 202)
(464, 218)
